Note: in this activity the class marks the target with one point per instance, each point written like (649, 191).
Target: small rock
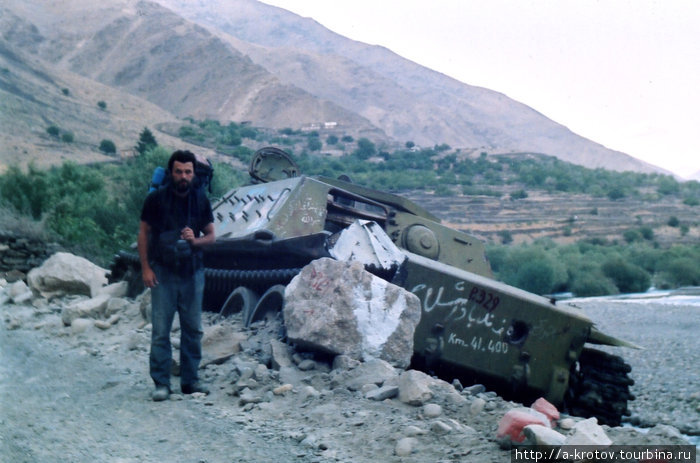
(80, 325)
(414, 387)
(281, 356)
(405, 446)
(383, 393)
(541, 435)
(344, 362)
(367, 388)
(412, 431)
(474, 389)
(432, 410)
(283, 389)
(438, 427)
(19, 292)
(306, 365)
(476, 406)
(566, 423)
(101, 324)
(588, 432)
(309, 392)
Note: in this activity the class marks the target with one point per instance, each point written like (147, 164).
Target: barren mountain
(247, 61)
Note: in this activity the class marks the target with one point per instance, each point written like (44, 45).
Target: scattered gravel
(84, 396)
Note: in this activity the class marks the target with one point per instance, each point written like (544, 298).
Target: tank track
(218, 282)
(599, 387)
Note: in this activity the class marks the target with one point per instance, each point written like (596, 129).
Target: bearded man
(176, 222)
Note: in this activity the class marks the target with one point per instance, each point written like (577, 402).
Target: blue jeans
(175, 293)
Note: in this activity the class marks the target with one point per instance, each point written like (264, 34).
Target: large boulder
(64, 273)
(339, 308)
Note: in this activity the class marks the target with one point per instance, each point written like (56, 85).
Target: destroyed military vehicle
(472, 327)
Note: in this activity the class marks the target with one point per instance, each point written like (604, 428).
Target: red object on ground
(547, 409)
(514, 421)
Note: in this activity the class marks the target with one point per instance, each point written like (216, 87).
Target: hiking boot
(161, 393)
(192, 388)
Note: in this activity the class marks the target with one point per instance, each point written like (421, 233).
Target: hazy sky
(624, 73)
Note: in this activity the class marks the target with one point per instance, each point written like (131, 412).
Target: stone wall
(21, 253)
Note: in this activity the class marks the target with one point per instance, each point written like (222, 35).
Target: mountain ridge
(280, 70)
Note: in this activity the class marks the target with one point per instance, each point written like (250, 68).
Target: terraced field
(563, 217)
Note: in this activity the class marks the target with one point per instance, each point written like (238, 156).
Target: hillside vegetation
(94, 209)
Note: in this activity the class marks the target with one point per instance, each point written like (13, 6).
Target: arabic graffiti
(477, 309)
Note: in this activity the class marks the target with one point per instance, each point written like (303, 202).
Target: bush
(147, 141)
(314, 144)
(53, 130)
(520, 194)
(102, 105)
(536, 276)
(680, 272)
(108, 147)
(628, 278)
(186, 131)
(673, 221)
(67, 137)
(592, 284)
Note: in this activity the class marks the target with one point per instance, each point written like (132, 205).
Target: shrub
(108, 147)
(673, 221)
(186, 131)
(147, 141)
(592, 284)
(628, 278)
(102, 105)
(631, 236)
(314, 144)
(536, 276)
(53, 130)
(67, 137)
(680, 272)
(506, 236)
(520, 194)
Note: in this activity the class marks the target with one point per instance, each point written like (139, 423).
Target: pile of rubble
(344, 348)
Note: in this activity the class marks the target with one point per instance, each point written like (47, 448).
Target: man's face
(182, 173)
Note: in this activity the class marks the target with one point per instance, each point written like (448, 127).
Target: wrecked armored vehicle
(472, 327)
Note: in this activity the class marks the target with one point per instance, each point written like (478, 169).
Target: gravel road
(86, 397)
(667, 370)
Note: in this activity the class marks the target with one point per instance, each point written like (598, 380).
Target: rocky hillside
(247, 61)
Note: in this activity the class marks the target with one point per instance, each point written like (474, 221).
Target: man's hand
(187, 234)
(149, 277)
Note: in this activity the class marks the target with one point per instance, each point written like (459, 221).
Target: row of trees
(593, 269)
(439, 169)
(95, 209)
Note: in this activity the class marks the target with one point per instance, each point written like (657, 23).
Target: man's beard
(183, 186)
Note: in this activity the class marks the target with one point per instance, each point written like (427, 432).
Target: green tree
(67, 137)
(102, 105)
(365, 149)
(108, 146)
(147, 141)
(314, 144)
(628, 278)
